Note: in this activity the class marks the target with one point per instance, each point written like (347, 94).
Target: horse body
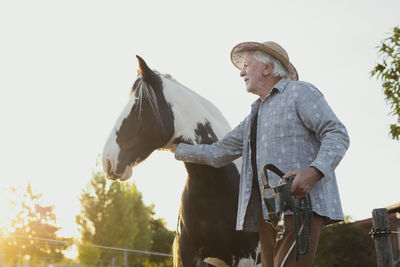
(162, 111)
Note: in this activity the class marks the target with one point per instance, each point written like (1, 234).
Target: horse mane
(144, 91)
(192, 110)
(169, 77)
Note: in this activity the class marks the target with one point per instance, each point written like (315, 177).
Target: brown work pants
(273, 252)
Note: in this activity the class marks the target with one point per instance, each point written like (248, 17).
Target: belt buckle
(274, 189)
(269, 189)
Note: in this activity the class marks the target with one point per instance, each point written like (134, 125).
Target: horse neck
(192, 111)
(198, 121)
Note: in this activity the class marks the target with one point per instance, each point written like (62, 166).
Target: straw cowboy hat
(239, 52)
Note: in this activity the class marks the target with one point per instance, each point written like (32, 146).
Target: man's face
(253, 73)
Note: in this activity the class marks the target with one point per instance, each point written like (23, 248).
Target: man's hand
(304, 180)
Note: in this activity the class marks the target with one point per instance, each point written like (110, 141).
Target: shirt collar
(280, 86)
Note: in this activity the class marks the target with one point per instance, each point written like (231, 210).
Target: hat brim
(239, 52)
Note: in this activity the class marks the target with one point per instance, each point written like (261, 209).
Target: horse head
(145, 124)
(159, 111)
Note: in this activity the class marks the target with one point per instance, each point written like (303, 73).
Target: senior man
(291, 126)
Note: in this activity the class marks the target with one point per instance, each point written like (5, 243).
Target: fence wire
(121, 260)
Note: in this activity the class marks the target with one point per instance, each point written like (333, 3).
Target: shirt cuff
(324, 168)
(180, 151)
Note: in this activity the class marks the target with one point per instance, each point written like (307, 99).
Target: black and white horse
(161, 111)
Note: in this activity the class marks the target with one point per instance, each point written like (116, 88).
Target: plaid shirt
(296, 128)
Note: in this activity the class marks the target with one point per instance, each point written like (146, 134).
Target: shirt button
(247, 189)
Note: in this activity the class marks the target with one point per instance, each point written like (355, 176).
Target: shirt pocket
(282, 123)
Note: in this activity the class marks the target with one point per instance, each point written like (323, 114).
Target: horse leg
(187, 252)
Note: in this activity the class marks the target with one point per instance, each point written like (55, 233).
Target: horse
(161, 111)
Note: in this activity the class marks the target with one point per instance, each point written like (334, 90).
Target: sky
(67, 68)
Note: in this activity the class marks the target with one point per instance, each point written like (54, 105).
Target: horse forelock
(143, 91)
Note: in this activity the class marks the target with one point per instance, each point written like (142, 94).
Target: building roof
(393, 208)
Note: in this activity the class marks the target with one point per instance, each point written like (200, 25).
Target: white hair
(278, 71)
(145, 91)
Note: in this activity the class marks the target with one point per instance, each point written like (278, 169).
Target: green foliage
(33, 220)
(388, 70)
(161, 241)
(113, 214)
(345, 244)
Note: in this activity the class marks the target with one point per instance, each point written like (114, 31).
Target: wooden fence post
(383, 241)
(125, 258)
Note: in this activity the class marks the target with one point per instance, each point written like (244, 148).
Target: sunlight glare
(7, 208)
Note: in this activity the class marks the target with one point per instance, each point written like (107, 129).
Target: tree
(388, 70)
(345, 244)
(162, 240)
(113, 214)
(37, 221)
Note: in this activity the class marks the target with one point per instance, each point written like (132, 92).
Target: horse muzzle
(114, 174)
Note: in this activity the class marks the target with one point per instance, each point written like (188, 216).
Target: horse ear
(144, 70)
